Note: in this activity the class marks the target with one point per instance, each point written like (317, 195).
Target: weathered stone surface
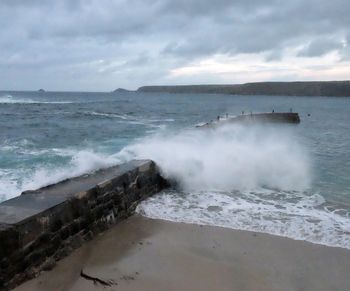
(49, 264)
(45, 225)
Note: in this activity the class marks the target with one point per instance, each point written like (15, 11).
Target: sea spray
(255, 178)
(80, 162)
(228, 158)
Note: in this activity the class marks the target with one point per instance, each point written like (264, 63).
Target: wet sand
(146, 254)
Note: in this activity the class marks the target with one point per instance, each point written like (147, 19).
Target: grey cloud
(71, 37)
(263, 28)
(319, 47)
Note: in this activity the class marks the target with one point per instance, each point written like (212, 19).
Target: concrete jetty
(274, 117)
(40, 227)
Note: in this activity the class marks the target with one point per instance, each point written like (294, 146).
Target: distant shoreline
(295, 88)
(314, 88)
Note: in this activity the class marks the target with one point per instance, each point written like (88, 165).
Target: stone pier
(40, 227)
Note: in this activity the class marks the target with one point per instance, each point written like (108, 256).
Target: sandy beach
(147, 254)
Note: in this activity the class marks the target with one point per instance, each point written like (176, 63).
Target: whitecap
(9, 99)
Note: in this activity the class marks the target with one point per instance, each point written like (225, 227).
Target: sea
(290, 180)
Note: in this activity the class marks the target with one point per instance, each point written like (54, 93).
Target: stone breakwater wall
(40, 227)
(277, 117)
(254, 118)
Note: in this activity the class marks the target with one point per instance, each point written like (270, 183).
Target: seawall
(281, 117)
(40, 227)
(276, 117)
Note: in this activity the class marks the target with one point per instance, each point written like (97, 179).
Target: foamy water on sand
(297, 215)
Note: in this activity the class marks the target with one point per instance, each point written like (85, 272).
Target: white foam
(27, 147)
(295, 215)
(129, 119)
(104, 114)
(8, 185)
(9, 99)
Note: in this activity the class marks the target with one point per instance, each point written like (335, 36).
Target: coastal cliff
(329, 88)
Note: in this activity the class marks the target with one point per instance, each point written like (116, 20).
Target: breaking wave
(228, 158)
(248, 178)
(9, 99)
(80, 162)
(241, 177)
(129, 119)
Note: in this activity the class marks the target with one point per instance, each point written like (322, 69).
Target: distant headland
(121, 90)
(314, 88)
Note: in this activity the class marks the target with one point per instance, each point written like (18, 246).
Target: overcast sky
(100, 45)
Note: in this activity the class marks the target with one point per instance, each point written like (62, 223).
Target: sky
(100, 45)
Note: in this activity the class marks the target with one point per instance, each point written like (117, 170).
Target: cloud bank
(101, 45)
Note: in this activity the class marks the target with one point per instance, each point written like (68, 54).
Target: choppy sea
(287, 180)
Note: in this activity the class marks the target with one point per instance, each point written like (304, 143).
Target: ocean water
(287, 180)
